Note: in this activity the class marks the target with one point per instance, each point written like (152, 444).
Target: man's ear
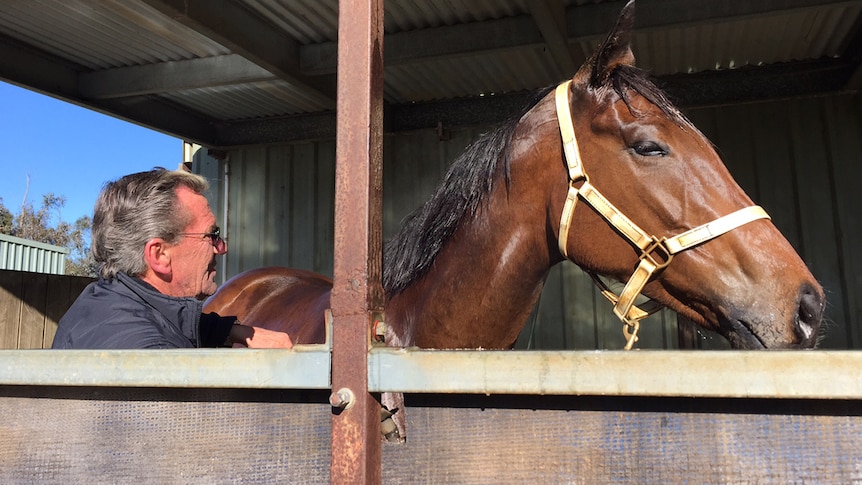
(157, 256)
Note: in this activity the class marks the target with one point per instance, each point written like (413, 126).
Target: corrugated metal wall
(800, 159)
(26, 255)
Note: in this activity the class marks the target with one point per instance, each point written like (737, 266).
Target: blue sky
(70, 151)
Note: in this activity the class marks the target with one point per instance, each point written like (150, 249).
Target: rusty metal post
(357, 292)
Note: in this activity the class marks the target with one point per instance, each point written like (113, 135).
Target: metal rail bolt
(342, 398)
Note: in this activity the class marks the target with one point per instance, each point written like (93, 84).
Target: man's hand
(259, 338)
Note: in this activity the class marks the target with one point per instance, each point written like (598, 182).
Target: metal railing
(659, 373)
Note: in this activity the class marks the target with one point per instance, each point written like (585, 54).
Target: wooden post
(357, 292)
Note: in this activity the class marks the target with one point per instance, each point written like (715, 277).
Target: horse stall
(597, 414)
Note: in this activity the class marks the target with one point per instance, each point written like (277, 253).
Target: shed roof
(238, 72)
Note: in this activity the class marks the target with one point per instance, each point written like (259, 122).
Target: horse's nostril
(808, 314)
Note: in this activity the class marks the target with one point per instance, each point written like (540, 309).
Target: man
(156, 240)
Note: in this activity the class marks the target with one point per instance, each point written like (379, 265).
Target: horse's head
(734, 274)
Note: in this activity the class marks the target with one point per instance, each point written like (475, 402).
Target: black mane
(409, 254)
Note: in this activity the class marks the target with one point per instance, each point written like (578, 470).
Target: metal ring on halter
(652, 248)
(631, 337)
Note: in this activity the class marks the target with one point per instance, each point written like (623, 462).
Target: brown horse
(467, 268)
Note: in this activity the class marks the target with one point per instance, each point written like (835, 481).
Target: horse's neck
(480, 289)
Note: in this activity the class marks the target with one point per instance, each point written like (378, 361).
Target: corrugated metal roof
(423, 14)
(796, 35)
(307, 21)
(104, 34)
(484, 74)
(80, 37)
(259, 99)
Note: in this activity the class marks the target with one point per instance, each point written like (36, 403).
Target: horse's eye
(649, 149)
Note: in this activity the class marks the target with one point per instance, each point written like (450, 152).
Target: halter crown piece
(650, 246)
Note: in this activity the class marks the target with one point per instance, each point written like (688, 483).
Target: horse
(602, 170)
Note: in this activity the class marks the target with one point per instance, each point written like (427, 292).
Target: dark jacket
(127, 313)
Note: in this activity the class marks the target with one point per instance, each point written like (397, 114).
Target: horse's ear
(613, 52)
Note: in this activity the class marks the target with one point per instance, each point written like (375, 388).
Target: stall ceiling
(227, 73)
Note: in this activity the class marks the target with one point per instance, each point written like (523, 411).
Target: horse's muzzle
(747, 330)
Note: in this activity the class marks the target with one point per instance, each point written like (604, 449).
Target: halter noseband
(650, 246)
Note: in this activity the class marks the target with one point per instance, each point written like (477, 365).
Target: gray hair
(134, 209)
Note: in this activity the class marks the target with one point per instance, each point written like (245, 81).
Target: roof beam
(244, 33)
(420, 45)
(402, 117)
(757, 83)
(664, 13)
(160, 115)
(171, 76)
(747, 84)
(549, 16)
(27, 67)
(55, 77)
(853, 54)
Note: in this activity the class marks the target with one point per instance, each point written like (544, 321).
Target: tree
(6, 219)
(46, 226)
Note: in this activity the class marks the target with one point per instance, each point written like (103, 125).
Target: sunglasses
(215, 237)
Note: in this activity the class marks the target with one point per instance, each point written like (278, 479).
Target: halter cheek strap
(656, 253)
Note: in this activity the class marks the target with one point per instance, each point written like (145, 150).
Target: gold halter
(650, 246)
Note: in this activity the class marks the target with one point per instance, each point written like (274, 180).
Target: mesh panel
(164, 436)
(74, 435)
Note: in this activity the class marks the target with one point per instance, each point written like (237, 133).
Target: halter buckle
(657, 247)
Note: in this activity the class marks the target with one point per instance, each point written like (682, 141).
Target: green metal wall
(25, 255)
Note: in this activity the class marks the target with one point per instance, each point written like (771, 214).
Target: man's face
(193, 258)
